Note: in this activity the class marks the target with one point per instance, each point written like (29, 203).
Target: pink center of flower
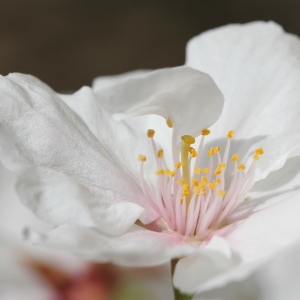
(191, 198)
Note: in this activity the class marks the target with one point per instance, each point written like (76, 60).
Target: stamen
(205, 170)
(197, 170)
(205, 132)
(160, 153)
(197, 206)
(193, 152)
(235, 157)
(160, 172)
(142, 157)
(150, 133)
(169, 122)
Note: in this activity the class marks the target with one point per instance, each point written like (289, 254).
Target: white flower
(76, 155)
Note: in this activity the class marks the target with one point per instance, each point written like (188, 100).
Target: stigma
(195, 196)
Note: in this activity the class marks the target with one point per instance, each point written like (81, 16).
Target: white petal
(268, 230)
(277, 279)
(104, 82)
(138, 247)
(49, 145)
(200, 268)
(257, 67)
(190, 98)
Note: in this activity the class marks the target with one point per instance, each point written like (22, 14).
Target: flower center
(191, 198)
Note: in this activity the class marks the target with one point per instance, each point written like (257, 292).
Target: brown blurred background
(67, 43)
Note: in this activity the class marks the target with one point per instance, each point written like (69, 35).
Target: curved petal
(268, 230)
(43, 140)
(277, 279)
(203, 266)
(138, 247)
(188, 97)
(257, 67)
(104, 82)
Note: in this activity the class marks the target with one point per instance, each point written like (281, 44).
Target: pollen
(193, 152)
(205, 132)
(150, 133)
(205, 170)
(235, 157)
(230, 134)
(160, 172)
(256, 156)
(170, 173)
(216, 181)
(185, 190)
(259, 151)
(181, 181)
(211, 186)
(178, 165)
(217, 150)
(241, 167)
(169, 122)
(142, 157)
(160, 153)
(222, 166)
(211, 152)
(221, 193)
(197, 170)
(218, 171)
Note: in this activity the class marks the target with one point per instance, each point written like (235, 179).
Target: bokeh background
(67, 43)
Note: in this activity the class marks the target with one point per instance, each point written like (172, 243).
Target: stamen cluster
(191, 198)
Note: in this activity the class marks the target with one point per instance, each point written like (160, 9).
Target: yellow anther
(197, 170)
(193, 152)
(181, 181)
(150, 133)
(205, 132)
(178, 165)
(241, 167)
(211, 186)
(216, 181)
(160, 172)
(160, 153)
(195, 181)
(170, 173)
(203, 191)
(218, 171)
(210, 152)
(188, 139)
(142, 157)
(221, 193)
(205, 170)
(222, 166)
(256, 157)
(235, 157)
(185, 190)
(259, 151)
(217, 150)
(181, 200)
(230, 134)
(169, 122)
(204, 179)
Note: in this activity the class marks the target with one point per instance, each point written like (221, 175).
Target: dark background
(67, 43)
